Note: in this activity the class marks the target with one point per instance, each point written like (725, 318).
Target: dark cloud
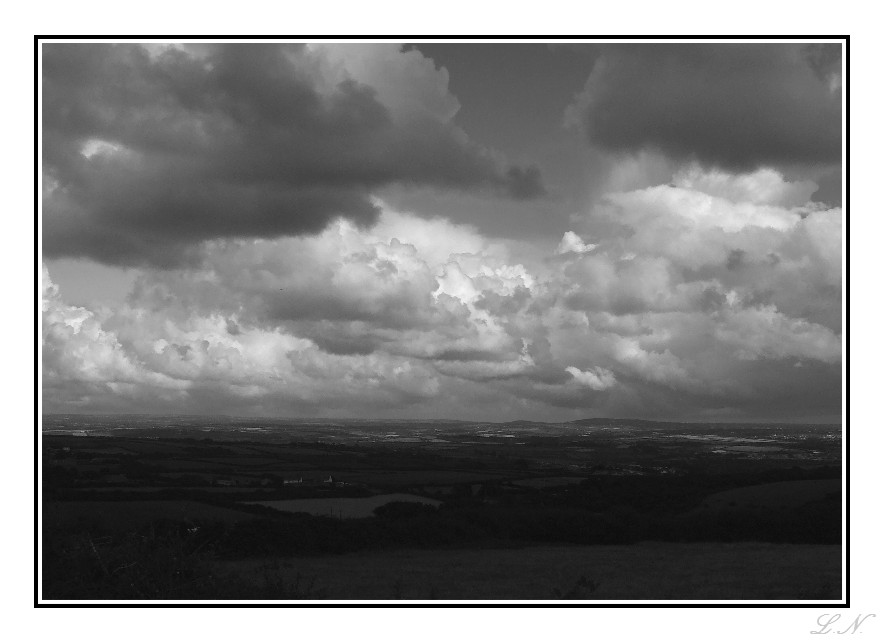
(337, 342)
(737, 106)
(148, 152)
(525, 182)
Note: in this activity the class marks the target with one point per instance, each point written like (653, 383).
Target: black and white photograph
(442, 321)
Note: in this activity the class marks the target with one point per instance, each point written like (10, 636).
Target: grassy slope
(647, 571)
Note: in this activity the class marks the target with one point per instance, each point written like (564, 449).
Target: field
(166, 508)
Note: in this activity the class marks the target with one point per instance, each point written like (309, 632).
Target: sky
(446, 230)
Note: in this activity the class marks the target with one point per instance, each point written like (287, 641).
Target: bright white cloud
(595, 378)
(765, 186)
(571, 242)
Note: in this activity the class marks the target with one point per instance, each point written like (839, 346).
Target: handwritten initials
(825, 623)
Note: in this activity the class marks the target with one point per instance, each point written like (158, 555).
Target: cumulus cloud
(150, 150)
(712, 290)
(764, 186)
(84, 361)
(736, 106)
(595, 379)
(671, 246)
(695, 279)
(143, 357)
(571, 242)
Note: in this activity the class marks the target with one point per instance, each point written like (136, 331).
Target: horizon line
(439, 419)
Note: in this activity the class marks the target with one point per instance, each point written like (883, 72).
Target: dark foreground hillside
(640, 518)
(644, 571)
(164, 566)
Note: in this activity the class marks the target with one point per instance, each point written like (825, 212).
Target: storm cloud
(149, 150)
(735, 106)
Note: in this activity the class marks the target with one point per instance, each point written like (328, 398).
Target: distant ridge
(608, 421)
(371, 421)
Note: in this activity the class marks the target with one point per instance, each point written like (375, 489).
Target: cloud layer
(714, 295)
(150, 150)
